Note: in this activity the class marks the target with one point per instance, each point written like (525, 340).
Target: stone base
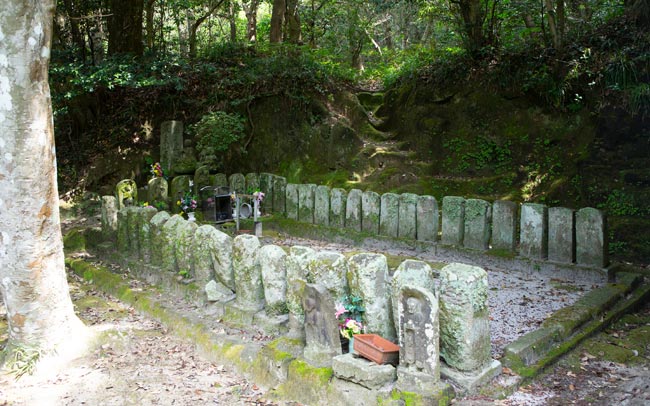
(351, 368)
(238, 316)
(320, 356)
(272, 324)
(349, 393)
(470, 382)
(409, 380)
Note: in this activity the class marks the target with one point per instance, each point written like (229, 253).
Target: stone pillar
(144, 217)
(297, 261)
(292, 201)
(408, 216)
(109, 217)
(389, 215)
(126, 192)
(370, 203)
(322, 206)
(123, 231)
(338, 201)
(353, 210)
(414, 273)
(171, 143)
(132, 230)
(266, 186)
(184, 242)
(273, 267)
(478, 216)
(533, 234)
(561, 241)
(248, 277)
(504, 225)
(279, 194)
(321, 327)
(464, 317)
(220, 179)
(330, 270)
(427, 218)
(168, 246)
(158, 191)
(592, 244)
(237, 183)
(306, 203)
(156, 229)
(368, 278)
(202, 179)
(252, 183)
(179, 186)
(212, 259)
(453, 220)
(419, 351)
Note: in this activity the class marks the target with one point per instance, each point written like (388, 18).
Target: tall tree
(32, 271)
(125, 27)
(277, 20)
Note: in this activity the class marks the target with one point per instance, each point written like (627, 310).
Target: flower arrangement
(349, 314)
(187, 203)
(258, 195)
(157, 170)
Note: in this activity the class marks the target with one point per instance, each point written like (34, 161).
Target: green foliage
(21, 360)
(620, 203)
(216, 132)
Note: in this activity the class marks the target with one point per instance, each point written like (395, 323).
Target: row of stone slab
(557, 234)
(302, 284)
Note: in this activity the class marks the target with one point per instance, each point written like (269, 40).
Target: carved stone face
(412, 305)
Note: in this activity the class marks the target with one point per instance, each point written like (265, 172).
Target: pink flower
(339, 310)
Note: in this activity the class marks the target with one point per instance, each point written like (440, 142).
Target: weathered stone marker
(297, 261)
(306, 203)
(171, 144)
(464, 327)
(478, 216)
(292, 201)
(237, 183)
(144, 217)
(248, 276)
(322, 206)
(415, 274)
(158, 190)
(419, 354)
(370, 204)
(389, 216)
(321, 327)
(504, 225)
(156, 233)
(592, 245)
(338, 201)
(266, 186)
(408, 216)
(368, 278)
(126, 192)
(561, 242)
(453, 220)
(109, 217)
(279, 194)
(329, 269)
(353, 210)
(273, 267)
(427, 218)
(533, 240)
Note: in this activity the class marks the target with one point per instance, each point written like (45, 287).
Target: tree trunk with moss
(33, 282)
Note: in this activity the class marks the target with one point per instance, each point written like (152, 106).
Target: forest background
(527, 100)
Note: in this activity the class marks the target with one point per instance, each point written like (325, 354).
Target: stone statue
(127, 193)
(413, 339)
(321, 327)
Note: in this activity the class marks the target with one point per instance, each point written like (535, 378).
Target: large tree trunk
(149, 17)
(250, 9)
(32, 271)
(277, 20)
(292, 18)
(125, 27)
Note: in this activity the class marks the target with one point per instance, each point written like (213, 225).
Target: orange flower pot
(376, 349)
